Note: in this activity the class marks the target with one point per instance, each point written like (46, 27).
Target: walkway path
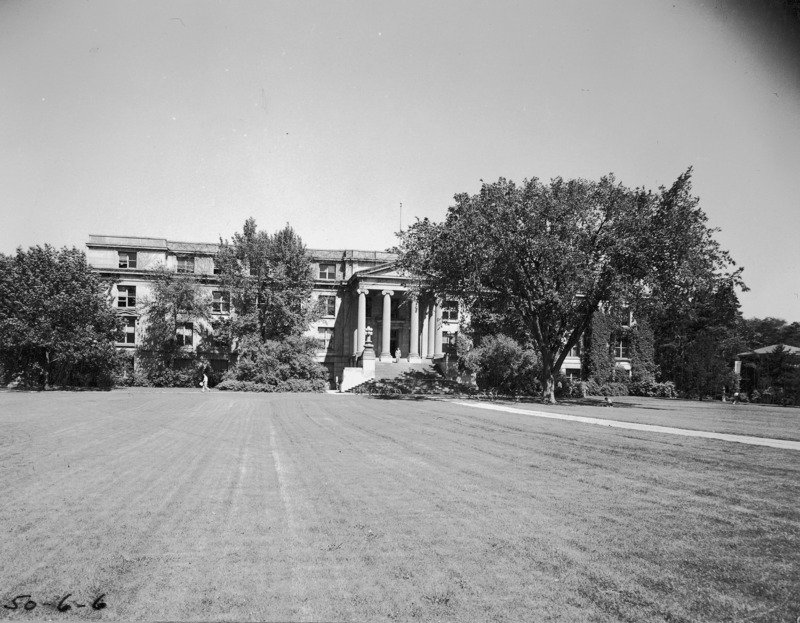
(748, 439)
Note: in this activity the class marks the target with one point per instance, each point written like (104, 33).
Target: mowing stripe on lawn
(651, 428)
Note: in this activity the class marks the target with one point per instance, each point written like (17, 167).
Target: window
(325, 337)
(126, 296)
(217, 269)
(622, 347)
(575, 351)
(327, 271)
(450, 311)
(328, 305)
(129, 328)
(624, 316)
(186, 264)
(127, 259)
(573, 374)
(220, 302)
(185, 333)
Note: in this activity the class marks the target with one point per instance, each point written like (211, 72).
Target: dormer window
(186, 264)
(327, 271)
(127, 259)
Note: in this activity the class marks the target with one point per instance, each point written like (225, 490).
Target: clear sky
(181, 119)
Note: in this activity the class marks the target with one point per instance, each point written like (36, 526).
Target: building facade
(359, 292)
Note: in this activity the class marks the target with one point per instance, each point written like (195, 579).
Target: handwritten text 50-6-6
(25, 602)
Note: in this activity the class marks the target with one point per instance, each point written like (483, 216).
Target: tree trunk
(47, 369)
(548, 381)
(549, 394)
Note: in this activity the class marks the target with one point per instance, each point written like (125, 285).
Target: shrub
(292, 385)
(621, 375)
(288, 365)
(613, 389)
(243, 386)
(171, 378)
(567, 388)
(140, 379)
(304, 385)
(589, 388)
(653, 389)
(503, 365)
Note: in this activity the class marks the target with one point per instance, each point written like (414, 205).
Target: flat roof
(162, 244)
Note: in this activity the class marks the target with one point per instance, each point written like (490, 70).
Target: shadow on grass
(416, 385)
(412, 384)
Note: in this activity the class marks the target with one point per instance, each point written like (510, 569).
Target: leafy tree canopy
(286, 365)
(760, 332)
(542, 258)
(270, 279)
(56, 325)
(174, 299)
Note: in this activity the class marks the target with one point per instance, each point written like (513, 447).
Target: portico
(404, 327)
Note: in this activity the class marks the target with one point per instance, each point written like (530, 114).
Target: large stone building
(361, 292)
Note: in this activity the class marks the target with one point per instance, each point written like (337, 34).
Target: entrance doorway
(394, 340)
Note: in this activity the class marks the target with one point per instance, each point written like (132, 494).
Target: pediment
(384, 271)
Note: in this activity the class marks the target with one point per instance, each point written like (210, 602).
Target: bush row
(290, 385)
(579, 389)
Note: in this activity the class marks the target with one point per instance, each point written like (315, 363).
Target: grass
(183, 506)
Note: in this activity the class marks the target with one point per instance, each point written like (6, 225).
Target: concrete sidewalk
(782, 444)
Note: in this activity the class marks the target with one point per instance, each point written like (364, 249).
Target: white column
(386, 355)
(437, 333)
(362, 318)
(423, 351)
(413, 340)
(431, 329)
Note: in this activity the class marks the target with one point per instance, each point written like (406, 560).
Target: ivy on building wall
(643, 352)
(598, 360)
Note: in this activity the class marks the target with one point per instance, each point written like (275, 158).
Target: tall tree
(270, 279)
(697, 340)
(173, 313)
(545, 257)
(56, 326)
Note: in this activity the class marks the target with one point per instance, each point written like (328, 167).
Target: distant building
(754, 369)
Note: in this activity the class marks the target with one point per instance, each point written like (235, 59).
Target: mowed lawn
(178, 505)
